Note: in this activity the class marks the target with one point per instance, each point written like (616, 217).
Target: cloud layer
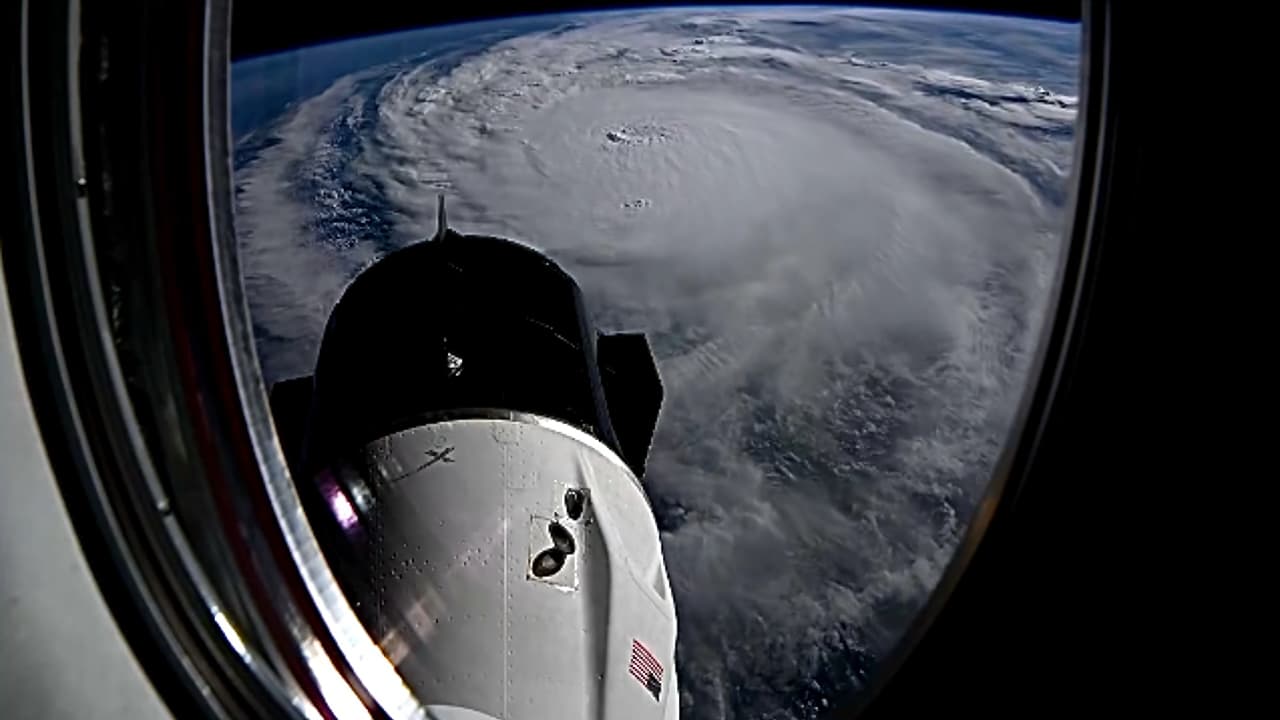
(839, 229)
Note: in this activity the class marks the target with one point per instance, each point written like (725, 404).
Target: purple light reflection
(342, 509)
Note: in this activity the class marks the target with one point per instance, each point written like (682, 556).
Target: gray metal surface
(61, 654)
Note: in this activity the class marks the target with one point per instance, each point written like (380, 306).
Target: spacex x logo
(646, 669)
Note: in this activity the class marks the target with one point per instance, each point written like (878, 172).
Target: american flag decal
(646, 669)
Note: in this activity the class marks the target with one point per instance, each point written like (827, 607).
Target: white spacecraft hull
(465, 508)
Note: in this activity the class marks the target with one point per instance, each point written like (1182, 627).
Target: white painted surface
(61, 654)
(460, 611)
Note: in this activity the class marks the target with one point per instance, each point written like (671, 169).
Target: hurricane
(839, 228)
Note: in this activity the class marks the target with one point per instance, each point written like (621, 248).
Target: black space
(261, 28)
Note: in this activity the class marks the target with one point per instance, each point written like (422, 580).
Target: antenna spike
(442, 222)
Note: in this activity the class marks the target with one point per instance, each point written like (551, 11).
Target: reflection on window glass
(837, 227)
